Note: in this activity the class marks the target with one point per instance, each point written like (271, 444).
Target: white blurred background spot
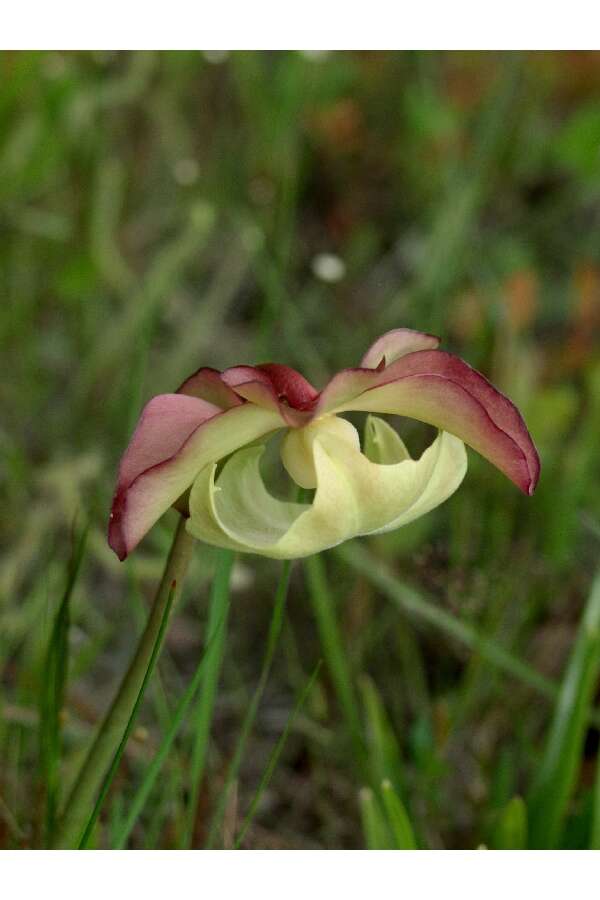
(328, 267)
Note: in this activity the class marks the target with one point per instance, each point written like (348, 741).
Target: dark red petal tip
(116, 538)
(166, 423)
(502, 411)
(290, 385)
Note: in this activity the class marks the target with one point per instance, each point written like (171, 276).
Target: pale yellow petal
(382, 443)
(297, 446)
(442, 468)
(353, 496)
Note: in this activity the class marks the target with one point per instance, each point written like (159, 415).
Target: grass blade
(53, 692)
(385, 758)
(595, 835)
(247, 724)
(274, 757)
(560, 763)
(402, 831)
(375, 829)
(415, 604)
(510, 831)
(216, 636)
(154, 769)
(333, 650)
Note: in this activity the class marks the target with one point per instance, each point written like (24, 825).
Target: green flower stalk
(80, 802)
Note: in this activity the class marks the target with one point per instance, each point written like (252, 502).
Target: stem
(116, 760)
(153, 771)
(81, 799)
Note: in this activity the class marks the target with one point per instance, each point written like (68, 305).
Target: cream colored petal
(239, 509)
(354, 495)
(386, 493)
(382, 443)
(297, 446)
(442, 468)
(238, 512)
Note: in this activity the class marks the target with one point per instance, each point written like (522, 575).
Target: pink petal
(237, 375)
(165, 424)
(290, 385)
(394, 344)
(441, 389)
(264, 396)
(502, 411)
(273, 386)
(345, 386)
(176, 436)
(207, 384)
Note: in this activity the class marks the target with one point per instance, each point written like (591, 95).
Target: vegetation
(433, 687)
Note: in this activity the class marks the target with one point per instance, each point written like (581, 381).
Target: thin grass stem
(274, 757)
(180, 713)
(334, 652)
(249, 718)
(215, 647)
(413, 603)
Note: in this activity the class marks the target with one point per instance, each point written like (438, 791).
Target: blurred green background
(162, 211)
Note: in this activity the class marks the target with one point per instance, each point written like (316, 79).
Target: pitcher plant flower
(200, 449)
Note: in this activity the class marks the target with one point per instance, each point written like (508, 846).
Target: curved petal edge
(442, 390)
(144, 493)
(354, 496)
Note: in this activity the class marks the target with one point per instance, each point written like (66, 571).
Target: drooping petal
(177, 436)
(344, 387)
(349, 384)
(439, 388)
(447, 405)
(394, 344)
(354, 496)
(237, 375)
(375, 368)
(164, 425)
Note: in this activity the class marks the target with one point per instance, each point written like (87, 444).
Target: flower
(181, 439)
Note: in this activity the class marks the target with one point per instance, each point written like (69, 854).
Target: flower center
(297, 447)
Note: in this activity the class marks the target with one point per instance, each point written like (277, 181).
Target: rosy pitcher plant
(182, 438)
(199, 449)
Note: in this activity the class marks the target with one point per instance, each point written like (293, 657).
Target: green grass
(207, 693)
(161, 212)
(53, 693)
